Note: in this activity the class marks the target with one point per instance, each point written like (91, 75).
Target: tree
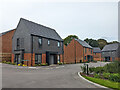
(92, 42)
(113, 42)
(68, 39)
(102, 43)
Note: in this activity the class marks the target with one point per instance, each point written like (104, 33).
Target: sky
(86, 19)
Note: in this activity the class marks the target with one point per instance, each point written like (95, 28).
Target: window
(91, 51)
(48, 42)
(18, 43)
(85, 57)
(40, 41)
(85, 50)
(58, 44)
(38, 59)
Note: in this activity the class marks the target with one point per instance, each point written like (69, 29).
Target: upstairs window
(18, 43)
(48, 42)
(58, 44)
(85, 50)
(40, 41)
(91, 51)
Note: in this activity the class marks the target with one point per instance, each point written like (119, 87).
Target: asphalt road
(63, 76)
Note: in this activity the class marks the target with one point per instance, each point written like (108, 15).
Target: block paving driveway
(60, 76)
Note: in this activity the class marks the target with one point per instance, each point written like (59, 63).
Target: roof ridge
(37, 24)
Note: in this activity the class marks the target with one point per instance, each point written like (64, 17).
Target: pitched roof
(3, 33)
(111, 47)
(83, 43)
(96, 50)
(40, 30)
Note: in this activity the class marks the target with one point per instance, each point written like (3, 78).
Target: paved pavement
(63, 76)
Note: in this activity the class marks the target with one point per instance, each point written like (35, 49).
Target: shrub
(14, 64)
(60, 63)
(97, 75)
(44, 64)
(8, 62)
(64, 63)
(94, 61)
(91, 69)
(24, 65)
(39, 64)
(35, 65)
(112, 67)
(114, 77)
(106, 75)
(3, 61)
(83, 69)
(99, 70)
(18, 64)
(87, 62)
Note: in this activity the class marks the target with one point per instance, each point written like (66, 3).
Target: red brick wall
(97, 57)
(27, 56)
(7, 42)
(12, 58)
(6, 46)
(61, 58)
(70, 55)
(43, 58)
(79, 52)
(118, 59)
(88, 52)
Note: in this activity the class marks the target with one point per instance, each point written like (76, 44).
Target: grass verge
(107, 83)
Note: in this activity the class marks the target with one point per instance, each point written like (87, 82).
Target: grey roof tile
(96, 50)
(83, 43)
(40, 30)
(111, 47)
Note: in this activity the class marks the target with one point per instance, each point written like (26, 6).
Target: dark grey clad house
(35, 44)
(111, 52)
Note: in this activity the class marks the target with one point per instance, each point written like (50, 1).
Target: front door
(38, 59)
(51, 59)
(17, 58)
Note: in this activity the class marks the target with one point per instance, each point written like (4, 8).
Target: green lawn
(107, 83)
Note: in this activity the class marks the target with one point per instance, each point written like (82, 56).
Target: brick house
(111, 52)
(35, 44)
(97, 54)
(6, 45)
(77, 51)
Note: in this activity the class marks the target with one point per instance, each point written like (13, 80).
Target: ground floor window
(107, 58)
(38, 58)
